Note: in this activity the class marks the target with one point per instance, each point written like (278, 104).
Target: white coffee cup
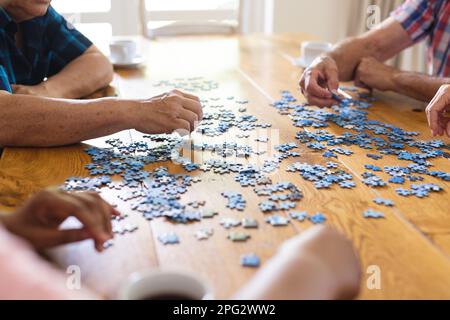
(164, 285)
(310, 50)
(123, 51)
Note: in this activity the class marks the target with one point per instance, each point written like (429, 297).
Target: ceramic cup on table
(164, 285)
(124, 53)
(310, 50)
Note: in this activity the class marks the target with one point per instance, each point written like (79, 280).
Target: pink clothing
(24, 275)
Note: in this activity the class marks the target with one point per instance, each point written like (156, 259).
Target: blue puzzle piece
(318, 218)
(250, 260)
(169, 238)
(397, 180)
(277, 221)
(299, 215)
(372, 214)
(385, 202)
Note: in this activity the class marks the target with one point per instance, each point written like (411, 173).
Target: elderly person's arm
(319, 264)
(24, 275)
(323, 76)
(361, 58)
(86, 74)
(76, 68)
(33, 121)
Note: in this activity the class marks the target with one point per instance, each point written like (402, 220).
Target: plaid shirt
(429, 18)
(49, 44)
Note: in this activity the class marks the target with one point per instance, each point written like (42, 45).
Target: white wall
(322, 18)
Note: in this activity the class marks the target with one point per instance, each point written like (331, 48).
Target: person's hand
(319, 81)
(373, 74)
(39, 219)
(173, 111)
(37, 90)
(332, 255)
(438, 120)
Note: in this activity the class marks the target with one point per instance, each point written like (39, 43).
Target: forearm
(83, 76)
(381, 43)
(416, 85)
(286, 277)
(27, 121)
(24, 275)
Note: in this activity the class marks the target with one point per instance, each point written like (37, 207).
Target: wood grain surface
(411, 246)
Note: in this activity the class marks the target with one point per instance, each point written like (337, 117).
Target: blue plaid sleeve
(4, 80)
(65, 42)
(417, 17)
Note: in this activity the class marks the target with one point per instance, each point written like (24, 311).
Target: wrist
(394, 79)
(128, 112)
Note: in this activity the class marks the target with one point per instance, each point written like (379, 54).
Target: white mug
(164, 285)
(310, 50)
(123, 51)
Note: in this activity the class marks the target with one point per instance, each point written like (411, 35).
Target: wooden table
(410, 246)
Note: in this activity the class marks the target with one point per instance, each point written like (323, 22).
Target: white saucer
(135, 63)
(300, 62)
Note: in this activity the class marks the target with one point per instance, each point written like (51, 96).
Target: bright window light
(181, 5)
(95, 31)
(72, 6)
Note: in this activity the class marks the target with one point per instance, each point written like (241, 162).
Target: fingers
(312, 86)
(193, 106)
(101, 213)
(90, 210)
(49, 238)
(435, 112)
(189, 102)
(317, 86)
(186, 109)
(186, 95)
(182, 127)
(332, 77)
(190, 117)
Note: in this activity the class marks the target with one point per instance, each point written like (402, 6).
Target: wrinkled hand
(319, 80)
(173, 111)
(329, 250)
(438, 118)
(373, 74)
(37, 90)
(38, 221)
